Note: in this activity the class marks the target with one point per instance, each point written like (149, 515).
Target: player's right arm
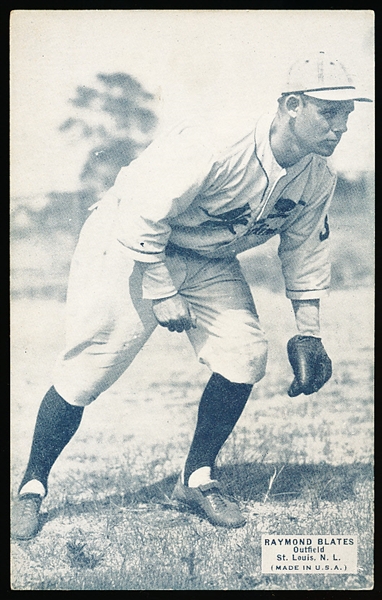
(156, 187)
(174, 313)
(170, 309)
(160, 184)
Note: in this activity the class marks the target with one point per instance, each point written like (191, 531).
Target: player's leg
(228, 338)
(107, 325)
(56, 423)
(220, 407)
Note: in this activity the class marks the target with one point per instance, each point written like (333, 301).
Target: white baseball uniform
(174, 222)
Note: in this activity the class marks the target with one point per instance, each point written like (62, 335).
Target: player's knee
(254, 362)
(76, 397)
(246, 364)
(258, 363)
(84, 399)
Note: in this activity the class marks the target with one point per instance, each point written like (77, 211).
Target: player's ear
(293, 103)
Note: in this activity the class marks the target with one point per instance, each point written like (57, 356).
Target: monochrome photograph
(192, 299)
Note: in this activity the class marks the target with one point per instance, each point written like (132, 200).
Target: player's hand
(311, 365)
(174, 313)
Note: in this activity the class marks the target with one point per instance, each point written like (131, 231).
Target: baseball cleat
(25, 517)
(209, 500)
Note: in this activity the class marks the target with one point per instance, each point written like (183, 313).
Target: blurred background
(91, 89)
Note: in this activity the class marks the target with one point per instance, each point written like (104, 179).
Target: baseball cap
(322, 77)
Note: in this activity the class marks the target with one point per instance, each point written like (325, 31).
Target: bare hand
(174, 313)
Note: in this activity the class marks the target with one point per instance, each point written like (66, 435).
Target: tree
(116, 118)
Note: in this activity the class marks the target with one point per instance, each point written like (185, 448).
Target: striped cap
(322, 77)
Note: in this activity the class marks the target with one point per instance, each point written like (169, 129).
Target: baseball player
(160, 248)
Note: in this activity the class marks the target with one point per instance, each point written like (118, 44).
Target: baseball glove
(311, 365)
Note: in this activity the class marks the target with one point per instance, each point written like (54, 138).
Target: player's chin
(325, 153)
(327, 148)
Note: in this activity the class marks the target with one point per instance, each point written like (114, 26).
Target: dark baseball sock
(57, 422)
(220, 407)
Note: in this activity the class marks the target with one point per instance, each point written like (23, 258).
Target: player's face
(320, 124)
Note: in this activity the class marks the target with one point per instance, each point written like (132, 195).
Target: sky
(223, 64)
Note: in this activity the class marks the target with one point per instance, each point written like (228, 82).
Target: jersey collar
(264, 151)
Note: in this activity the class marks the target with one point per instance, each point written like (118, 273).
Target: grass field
(297, 466)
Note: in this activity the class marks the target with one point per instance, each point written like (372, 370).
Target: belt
(172, 249)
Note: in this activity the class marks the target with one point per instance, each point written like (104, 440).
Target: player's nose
(339, 126)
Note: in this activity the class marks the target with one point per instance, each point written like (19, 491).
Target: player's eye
(329, 114)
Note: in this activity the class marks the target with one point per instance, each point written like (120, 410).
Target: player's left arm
(304, 254)
(311, 365)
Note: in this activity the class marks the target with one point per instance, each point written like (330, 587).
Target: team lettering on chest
(241, 216)
(271, 224)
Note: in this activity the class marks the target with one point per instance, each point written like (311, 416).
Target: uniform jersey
(186, 191)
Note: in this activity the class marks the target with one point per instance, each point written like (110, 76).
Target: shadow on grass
(245, 482)
(251, 481)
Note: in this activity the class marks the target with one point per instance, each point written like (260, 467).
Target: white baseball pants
(108, 322)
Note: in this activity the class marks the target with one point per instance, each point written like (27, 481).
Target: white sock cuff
(33, 487)
(200, 477)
